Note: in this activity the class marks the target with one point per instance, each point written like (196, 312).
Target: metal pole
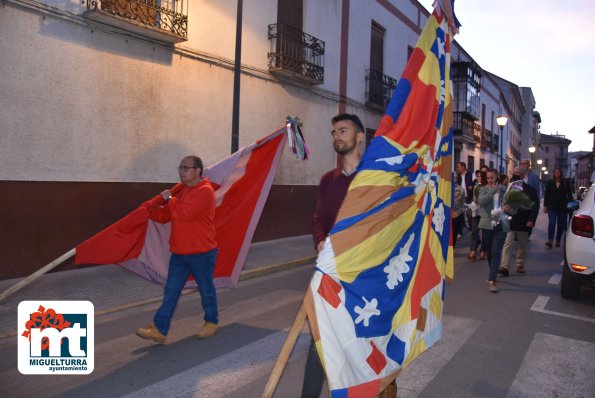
(501, 149)
(235, 120)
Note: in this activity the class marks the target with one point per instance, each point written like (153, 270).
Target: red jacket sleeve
(203, 199)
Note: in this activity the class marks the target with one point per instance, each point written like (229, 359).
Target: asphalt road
(525, 341)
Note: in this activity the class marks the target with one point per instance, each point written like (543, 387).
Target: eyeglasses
(185, 168)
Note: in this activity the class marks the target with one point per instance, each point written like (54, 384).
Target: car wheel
(571, 285)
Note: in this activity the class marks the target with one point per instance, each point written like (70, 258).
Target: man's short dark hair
(463, 165)
(197, 162)
(349, 116)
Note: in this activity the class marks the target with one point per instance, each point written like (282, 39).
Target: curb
(269, 269)
(244, 275)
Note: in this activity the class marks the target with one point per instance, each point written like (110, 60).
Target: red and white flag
(241, 181)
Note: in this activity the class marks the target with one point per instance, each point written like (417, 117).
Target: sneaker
(151, 333)
(503, 271)
(492, 287)
(472, 255)
(208, 330)
(549, 244)
(482, 255)
(459, 237)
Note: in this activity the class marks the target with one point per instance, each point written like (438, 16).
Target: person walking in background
(458, 212)
(504, 180)
(465, 180)
(557, 195)
(492, 231)
(533, 180)
(520, 224)
(476, 241)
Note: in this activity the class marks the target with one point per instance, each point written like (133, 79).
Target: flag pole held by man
(375, 300)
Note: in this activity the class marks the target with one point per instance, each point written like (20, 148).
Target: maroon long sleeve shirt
(331, 192)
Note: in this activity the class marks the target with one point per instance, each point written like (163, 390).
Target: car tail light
(578, 268)
(582, 225)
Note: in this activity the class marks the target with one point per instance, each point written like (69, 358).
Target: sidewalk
(111, 288)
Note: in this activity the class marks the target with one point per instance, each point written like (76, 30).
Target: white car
(579, 247)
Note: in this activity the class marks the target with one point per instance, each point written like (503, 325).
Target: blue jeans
(201, 266)
(494, 241)
(559, 217)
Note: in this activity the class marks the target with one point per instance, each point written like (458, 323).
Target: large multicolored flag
(242, 182)
(375, 301)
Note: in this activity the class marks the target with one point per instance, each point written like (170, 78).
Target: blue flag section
(375, 301)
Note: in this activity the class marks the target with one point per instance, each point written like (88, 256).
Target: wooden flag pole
(292, 336)
(37, 274)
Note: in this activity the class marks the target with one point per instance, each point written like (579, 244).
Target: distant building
(553, 150)
(585, 165)
(573, 160)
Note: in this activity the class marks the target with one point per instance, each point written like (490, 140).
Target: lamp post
(501, 120)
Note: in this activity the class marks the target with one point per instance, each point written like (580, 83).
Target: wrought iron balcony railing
(163, 16)
(476, 133)
(465, 128)
(486, 139)
(296, 54)
(379, 88)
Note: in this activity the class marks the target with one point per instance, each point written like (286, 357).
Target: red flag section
(242, 182)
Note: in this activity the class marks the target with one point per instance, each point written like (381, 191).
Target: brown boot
(482, 255)
(557, 243)
(208, 330)
(151, 333)
(472, 255)
(549, 244)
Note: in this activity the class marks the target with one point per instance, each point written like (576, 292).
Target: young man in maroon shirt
(348, 135)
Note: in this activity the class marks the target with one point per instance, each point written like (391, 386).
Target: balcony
(163, 20)
(486, 140)
(296, 54)
(476, 133)
(379, 89)
(465, 128)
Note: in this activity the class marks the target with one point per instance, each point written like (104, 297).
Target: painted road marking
(555, 366)
(555, 279)
(541, 302)
(227, 373)
(416, 376)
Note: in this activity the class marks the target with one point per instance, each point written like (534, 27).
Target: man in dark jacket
(520, 226)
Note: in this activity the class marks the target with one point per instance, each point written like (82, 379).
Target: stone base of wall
(40, 221)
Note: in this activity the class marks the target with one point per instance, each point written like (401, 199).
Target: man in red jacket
(193, 247)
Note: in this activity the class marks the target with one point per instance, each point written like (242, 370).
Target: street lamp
(539, 161)
(501, 120)
(532, 156)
